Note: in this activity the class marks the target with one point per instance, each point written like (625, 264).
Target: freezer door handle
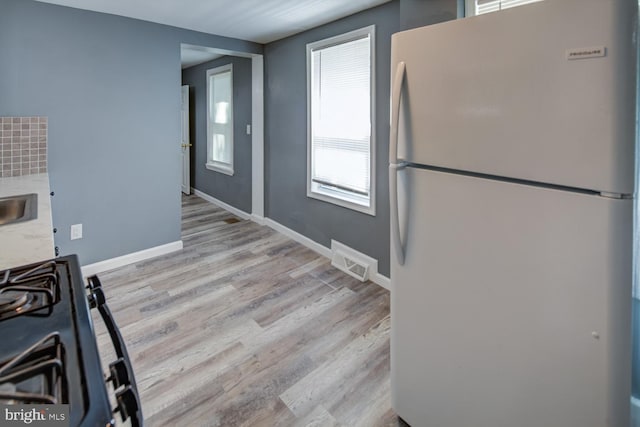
(396, 93)
(396, 239)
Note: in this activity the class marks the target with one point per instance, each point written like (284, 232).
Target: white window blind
(220, 119)
(486, 6)
(340, 140)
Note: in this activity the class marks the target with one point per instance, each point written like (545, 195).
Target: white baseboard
(258, 219)
(220, 203)
(294, 235)
(110, 264)
(381, 280)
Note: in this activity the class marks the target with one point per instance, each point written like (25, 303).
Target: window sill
(218, 167)
(326, 196)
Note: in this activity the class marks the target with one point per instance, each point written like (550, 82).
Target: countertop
(30, 241)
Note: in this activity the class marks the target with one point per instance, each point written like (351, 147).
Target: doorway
(249, 135)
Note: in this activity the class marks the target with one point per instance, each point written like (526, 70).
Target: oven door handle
(98, 300)
(129, 406)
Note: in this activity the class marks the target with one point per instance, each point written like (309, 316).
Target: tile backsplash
(23, 146)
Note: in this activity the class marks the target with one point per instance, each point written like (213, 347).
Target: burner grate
(36, 375)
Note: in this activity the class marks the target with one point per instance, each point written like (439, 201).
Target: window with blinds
(340, 137)
(478, 7)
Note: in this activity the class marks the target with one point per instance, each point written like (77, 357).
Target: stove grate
(36, 375)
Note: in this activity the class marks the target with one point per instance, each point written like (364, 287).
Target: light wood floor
(245, 327)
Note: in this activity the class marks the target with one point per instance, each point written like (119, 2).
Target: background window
(340, 120)
(220, 119)
(478, 7)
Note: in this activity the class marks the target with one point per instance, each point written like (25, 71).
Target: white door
(512, 307)
(185, 145)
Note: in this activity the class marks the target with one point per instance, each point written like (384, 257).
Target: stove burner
(15, 301)
(36, 375)
(24, 290)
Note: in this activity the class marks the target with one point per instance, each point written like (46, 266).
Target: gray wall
(418, 13)
(234, 190)
(111, 89)
(286, 140)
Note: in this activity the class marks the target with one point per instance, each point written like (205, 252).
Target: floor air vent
(351, 261)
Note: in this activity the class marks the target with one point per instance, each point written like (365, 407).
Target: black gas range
(48, 350)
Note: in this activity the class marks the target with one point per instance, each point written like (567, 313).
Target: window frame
(335, 196)
(216, 165)
(470, 8)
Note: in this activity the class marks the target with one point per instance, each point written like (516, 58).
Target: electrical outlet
(248, 129)
(76, 231)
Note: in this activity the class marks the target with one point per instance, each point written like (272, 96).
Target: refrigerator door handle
(396, 93)
(394, 167)
(396, 239)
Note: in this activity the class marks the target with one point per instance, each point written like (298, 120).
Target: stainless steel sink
(20, 208)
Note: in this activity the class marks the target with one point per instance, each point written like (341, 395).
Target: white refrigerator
(512, 158)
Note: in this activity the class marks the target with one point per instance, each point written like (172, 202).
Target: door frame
(257, 138)
(185, 142)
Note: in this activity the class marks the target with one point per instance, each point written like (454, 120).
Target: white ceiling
(260, 21)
